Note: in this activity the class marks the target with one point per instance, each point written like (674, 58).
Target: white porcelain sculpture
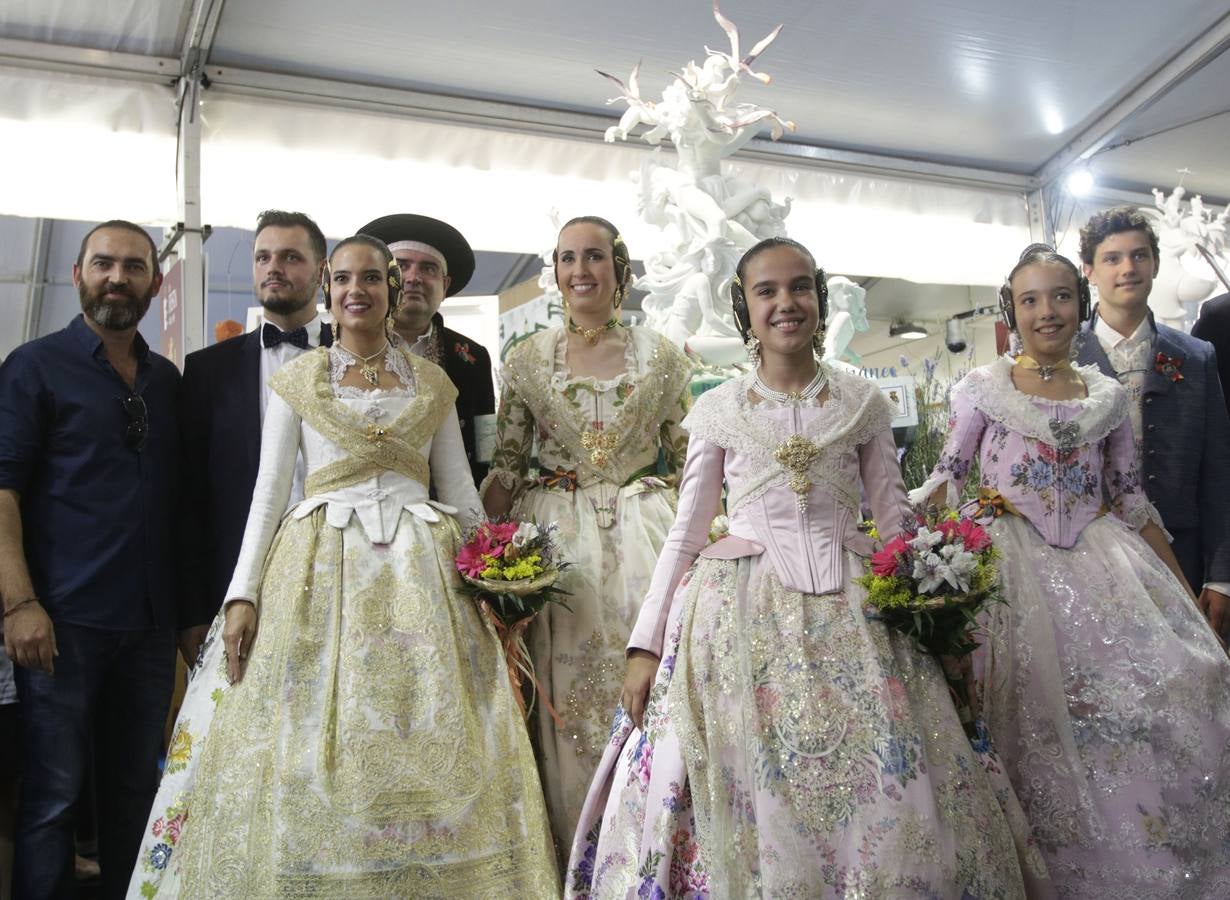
(1187, 238)
(708, 218)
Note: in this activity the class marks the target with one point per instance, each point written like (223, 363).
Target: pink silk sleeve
(966, 424)
(881, 475)
(700, 496)
(1122, 479)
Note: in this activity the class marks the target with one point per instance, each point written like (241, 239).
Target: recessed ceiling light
(1080, 182)
(910, 331)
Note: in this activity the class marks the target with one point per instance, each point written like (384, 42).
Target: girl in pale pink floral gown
(786, 745)
(1105, 691)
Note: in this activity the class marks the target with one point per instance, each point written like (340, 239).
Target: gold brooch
(599, 444)
(797, 456)
(375, 433)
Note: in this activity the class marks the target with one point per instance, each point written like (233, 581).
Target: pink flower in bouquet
(470, 559)
(493, 537)
(973, 535)
(886, 560)
(502, 531)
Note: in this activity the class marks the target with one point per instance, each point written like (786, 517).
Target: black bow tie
(272, 335)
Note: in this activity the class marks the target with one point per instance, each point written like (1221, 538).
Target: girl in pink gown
(1105, 692)
(785, 745)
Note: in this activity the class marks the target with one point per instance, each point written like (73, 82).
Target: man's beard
(113, 315)
(286, 306)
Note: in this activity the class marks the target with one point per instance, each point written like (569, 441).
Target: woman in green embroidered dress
(605, 404)
(350, 731)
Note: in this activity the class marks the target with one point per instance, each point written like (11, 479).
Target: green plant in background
(923, 452)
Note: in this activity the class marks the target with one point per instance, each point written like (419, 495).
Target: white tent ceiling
(994, 84)
(953, 110)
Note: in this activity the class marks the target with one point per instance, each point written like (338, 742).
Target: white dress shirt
(1129, 357)
(422, 344)
(272, 359)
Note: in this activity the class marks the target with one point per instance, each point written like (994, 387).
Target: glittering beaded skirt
(1108, 699)
(578, 652)
(372, 748)
(793, 748)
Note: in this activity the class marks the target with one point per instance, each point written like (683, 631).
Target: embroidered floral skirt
(793, 748)
(578, 652)
(372, 748)
(1108, 698)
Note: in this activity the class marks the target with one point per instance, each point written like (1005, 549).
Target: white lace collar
(561, 375)
(991, 390)
(340, 359)
(852, 413)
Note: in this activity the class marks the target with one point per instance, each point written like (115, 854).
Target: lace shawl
(991, 390)
(854, 413)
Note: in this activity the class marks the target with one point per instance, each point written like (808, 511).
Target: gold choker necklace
(591, 335)
(369, 372)
(1046, 373)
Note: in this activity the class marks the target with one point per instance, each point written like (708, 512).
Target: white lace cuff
(921, 495)
(507, 478)
(1144, 512)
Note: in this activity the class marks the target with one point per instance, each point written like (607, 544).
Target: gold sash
(304, 384)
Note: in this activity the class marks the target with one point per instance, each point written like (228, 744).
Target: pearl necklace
(814, 387)
(369, 372)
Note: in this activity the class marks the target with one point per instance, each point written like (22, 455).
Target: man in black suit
(437, 262)
(1214, 326)
(226, 388)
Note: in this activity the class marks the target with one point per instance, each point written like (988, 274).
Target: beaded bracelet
(18, 605)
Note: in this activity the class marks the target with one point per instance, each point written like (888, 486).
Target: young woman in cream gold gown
(604, 403)
(350, 731)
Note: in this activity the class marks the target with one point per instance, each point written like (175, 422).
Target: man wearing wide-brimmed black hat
(437, 262)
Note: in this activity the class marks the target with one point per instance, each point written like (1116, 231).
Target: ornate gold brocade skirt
(372, 749)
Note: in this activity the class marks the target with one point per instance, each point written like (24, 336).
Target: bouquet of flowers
(932, 579)
(510, 569)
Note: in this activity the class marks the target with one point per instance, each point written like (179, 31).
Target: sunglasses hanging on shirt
(137, 431)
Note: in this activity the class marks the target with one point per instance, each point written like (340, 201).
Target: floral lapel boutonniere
(463, 350)
(1169, 366)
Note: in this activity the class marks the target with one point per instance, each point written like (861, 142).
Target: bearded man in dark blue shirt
(89, 458)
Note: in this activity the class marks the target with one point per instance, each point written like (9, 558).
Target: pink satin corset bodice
(737, 444)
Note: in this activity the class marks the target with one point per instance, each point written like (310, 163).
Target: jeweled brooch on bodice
(1067, 435)
(796, 456)
(599, 444)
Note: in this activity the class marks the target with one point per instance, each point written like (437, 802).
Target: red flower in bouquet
(973, 535)
(886, 560)
(489, 542)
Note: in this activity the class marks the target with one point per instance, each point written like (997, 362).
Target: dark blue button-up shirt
(98, 517)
